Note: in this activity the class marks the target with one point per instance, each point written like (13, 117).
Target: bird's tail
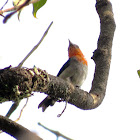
(48, 101)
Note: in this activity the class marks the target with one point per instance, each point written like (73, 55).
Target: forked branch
(18, 83)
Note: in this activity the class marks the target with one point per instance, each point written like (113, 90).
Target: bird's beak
(70, 43)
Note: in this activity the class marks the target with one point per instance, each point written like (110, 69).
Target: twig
(15, 104)
(2, 8)
(22, 110)
(18, 2)
(12, 109)
(36, 46)
(58, 134)
(4, 5)
(16, 7)
(59, 115)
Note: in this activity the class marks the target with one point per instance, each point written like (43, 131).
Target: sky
(118, 115)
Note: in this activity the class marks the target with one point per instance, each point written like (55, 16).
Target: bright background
(118, 117)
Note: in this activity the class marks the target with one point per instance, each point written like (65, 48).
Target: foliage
(18, 7)
(138, 72)
(37, 6)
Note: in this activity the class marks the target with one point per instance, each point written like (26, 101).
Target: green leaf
(37, 6)
(138, 71)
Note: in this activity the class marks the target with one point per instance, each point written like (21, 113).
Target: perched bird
(74, 71)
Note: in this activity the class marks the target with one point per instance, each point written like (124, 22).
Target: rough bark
(102, 55)
(17, 83)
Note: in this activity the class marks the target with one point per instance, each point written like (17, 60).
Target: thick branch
(16, 130)
(102, 55)
(18, 83)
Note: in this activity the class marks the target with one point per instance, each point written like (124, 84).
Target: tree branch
(3, 5)
(16, 130)
(36, 46)
(15, 104)
(58, 134)
(18, 83)
(102, 55)
(15, 9)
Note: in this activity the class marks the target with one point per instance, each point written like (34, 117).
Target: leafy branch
(37, 4)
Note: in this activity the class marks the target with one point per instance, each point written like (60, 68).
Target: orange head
(74, 51)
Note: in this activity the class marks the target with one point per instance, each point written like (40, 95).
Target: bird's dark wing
(64, 67)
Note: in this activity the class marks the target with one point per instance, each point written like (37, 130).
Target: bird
(74, 71)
